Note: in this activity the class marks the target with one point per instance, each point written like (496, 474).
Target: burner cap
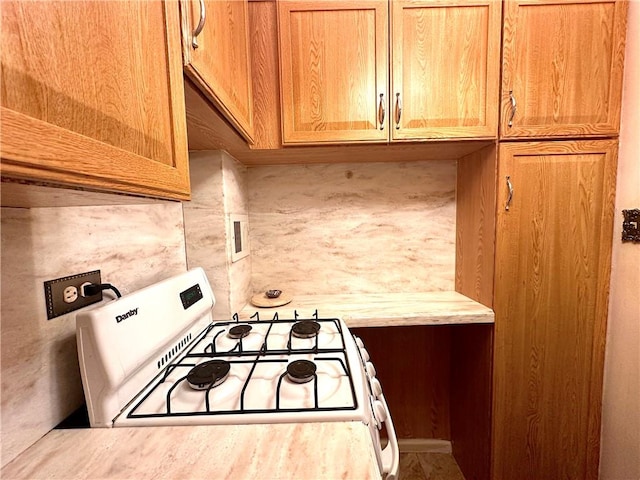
(301, 371)
(239, 331)
(208, 374)
(305, 329)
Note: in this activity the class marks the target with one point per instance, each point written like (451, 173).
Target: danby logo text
(124, 316)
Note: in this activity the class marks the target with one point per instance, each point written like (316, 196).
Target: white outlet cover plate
(238, 236)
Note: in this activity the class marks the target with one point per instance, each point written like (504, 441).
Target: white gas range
(156, 357)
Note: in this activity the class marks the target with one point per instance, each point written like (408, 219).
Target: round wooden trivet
(261, 300)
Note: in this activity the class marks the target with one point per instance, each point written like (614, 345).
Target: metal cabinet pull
(381, 111)
(510, 187)
(513, 108)
(196, 32)
(398, 110)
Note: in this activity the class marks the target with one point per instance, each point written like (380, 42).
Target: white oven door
(380, 417)
(389, 456)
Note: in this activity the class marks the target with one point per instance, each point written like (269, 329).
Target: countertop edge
(382, 310)
(243, 452)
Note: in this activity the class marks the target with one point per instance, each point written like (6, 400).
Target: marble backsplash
(218, 189)
(353, 228)
(236, 201)
(133, 246)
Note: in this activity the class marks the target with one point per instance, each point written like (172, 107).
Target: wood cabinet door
(220, 64)
(562, 68)
(92, 96)
(333, 71)
(446, 69)
(553, 256)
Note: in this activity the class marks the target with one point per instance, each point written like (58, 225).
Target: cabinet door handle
(196, 32)
(398, 110)
(510, 197)
(381, 111)
(513, 108)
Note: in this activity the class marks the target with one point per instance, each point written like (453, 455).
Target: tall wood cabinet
(215, 44)
(553, 255)
(92, 96)
(442, 59)
(562, 68)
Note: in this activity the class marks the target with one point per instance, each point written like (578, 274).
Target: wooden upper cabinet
(333, 71)
(217, 59)
(446, 69)
(92, 95)
(562, 68)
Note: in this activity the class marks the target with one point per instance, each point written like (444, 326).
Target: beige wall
(620, 451)
(133, 246)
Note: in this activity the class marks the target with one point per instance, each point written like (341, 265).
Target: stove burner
(301, 371)
(305, 329)
(208, 374)
(239, 331)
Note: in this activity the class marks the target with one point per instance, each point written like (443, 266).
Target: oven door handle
(390, 455)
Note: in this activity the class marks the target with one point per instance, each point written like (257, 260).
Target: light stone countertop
(279, 451)
(383, 310)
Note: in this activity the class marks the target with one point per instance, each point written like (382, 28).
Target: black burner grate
(207, 351)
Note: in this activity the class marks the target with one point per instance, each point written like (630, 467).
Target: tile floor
(428, 466)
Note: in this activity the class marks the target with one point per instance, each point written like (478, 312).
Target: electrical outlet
(66, 294)
(70, 294)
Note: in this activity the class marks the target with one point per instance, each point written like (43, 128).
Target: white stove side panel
(106, 401)
(118, 358)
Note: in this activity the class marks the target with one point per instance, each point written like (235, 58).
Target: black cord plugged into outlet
(95, 288)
